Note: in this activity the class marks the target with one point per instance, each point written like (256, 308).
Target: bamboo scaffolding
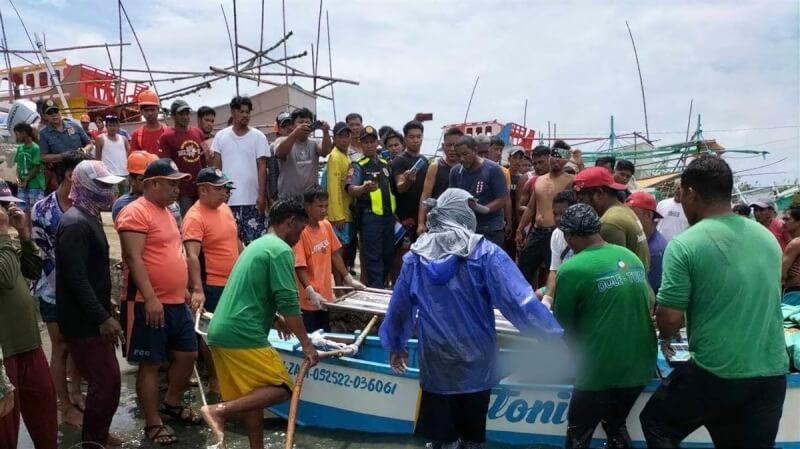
(77, 47)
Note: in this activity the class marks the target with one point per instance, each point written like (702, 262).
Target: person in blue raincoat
(451, 281)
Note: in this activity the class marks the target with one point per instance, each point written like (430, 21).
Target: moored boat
(362, 393)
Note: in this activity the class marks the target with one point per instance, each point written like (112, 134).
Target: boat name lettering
(333, 377)
(507, 405)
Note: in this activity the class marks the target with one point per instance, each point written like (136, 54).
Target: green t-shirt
(620, 226)
(27, 158)
(725, 273)
(261, 283)
(602, 301)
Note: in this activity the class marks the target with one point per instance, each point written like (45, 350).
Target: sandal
(181, 413)
(162, 436)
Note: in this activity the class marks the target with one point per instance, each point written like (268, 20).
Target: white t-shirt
(674, 219)
(114, 156)
(239, 155)
(558, 247)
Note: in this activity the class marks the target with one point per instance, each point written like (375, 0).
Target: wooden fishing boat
(362, 393)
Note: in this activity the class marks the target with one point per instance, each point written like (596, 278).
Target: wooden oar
(301, 375)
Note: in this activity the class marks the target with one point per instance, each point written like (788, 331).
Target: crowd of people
(258, 233)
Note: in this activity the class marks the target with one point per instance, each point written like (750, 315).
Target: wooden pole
(469, 105)
(117, 80)
(525, 115)
(235, 46)
(230, 38)
(7, 59)
(286, 68)
(77, 47)
(330, 61)
(139, 44)
(119, 14)
(33, 47)
(261, 42)
(641, 82)
(316, 59)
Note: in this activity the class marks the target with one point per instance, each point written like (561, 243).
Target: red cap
(595, 177)
(643, 200)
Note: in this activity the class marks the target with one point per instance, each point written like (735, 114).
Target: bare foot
(114, 440)
(78, 400)
(72, 415)
(215, 422)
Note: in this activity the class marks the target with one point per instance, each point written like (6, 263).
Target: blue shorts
(346, 234)
(29, 197)
(213, 293)
(48, 312)
(150, 344)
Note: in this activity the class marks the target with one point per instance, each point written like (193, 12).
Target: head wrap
(87, 192)
(580, 219)
(451, 227)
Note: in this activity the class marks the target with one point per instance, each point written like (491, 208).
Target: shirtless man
(536, 249)
(541, 165)
(791, 257)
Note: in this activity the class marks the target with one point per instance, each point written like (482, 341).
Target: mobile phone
(316, 125)
(419, 165)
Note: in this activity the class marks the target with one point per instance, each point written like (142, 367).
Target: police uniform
(375, 214)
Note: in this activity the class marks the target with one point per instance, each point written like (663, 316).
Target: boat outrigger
(360, 392)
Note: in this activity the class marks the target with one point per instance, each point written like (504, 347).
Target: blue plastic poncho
(453, 297)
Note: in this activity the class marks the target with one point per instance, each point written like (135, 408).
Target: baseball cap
(763, 203)
(138, 161)
(50, 105)
(339, 128)
(516, 150)
(282, 118)
(643, 200)
(164, 168)
(97, 171)
(178, 106)
(214, 177)
(5, 193)
(595, 177)
(367, 131)
(580, 219)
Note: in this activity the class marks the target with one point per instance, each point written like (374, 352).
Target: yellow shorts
(240, 371)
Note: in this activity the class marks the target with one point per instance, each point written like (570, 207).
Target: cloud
(571, 60)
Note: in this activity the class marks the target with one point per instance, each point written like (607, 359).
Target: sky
(571, 60)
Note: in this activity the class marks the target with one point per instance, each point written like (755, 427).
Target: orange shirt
(314, 252)
(163, 251)
(215, 229)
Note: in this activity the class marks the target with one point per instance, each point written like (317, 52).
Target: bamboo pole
(230, 38)
(286, 67)
(316, 59)
(25, 28)
(301, 375)
(119, 18)
(469, 105)
(77, 47)
(7, 59)
(235, 46)
(138, 43)
(330, 61)
(261, 41)
(641, 82)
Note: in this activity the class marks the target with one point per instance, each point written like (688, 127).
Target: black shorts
(150, 344)
(447, 418)
(213, 293)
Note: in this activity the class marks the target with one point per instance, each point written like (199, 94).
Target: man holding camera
(298, 154)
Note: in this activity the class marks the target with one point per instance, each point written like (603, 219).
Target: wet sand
(128, 422)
